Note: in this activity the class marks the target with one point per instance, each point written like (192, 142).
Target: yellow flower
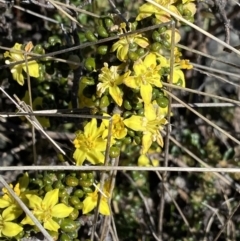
(146, 75)
(178, 75)
(90, 145)
(8, 228)
(15, 54)
(122, 46)
(177, 36)
(7, 199)
(148, 9)
(118, 129)
(47, 208)
(150, 124)
(90, 202)
(188, 5)
(110, 80)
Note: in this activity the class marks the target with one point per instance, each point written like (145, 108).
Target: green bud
(131, 133)
(74, 214)
(73, 200)
(140, 52)
(156, 46)
(61, 175)
(86, 190)
(38, 49)
(162, 102)
(64, 199)
(133, 56)
(162, 30)
(58, 184)
(156, 36)
(108, 22)
(78, 193)
(71, 181)
(68, 225)
(114, 152)
(137, 139)
(126, 114)
(140, 112)
(104, 102)
(48, 188)
(90, 36)
(102, 50)
(83, 176)
(62, 192)
(54, 40)
(102, 32)
(64, 237)
(73, 235)
(127, 105)
(90, 64)
(127, 140)
(79, 206)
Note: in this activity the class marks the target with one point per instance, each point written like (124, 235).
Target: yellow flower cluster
(140, 68)
(16, 54)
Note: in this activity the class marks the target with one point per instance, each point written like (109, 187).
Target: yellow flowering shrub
(121, 84)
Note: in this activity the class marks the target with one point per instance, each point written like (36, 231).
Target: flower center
(89, 144)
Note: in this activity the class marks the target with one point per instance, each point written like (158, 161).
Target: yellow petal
(61, 211)
(160, 139)
(23, 182)
(139, 68)
(34, 201)
(149, 112)
(141, 41)
(100, 144)
(131, 82)
(146, 142)
(27, 220)
(122, 52)
(33, 69)
(118, 44)
(79, 156)
(145, 11)
(135, 123)
(191, 7)
(95, 157)
(16, 53)
(104, 207)
(89, 204)
(150, 60)
(17, 74)
(51, 198)
(10, 229)
(146, 93)
(4, 203)
(11, 213)
(116, 94)
(178, 75)
(91, 128)
(177, 36)
(51, 225)
(163, 61)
